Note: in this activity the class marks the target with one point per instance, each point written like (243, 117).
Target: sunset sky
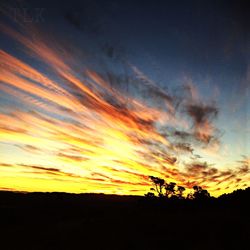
(95, 96)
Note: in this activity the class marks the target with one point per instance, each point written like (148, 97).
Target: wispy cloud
(95, 133)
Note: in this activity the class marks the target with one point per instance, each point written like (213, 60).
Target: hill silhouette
(98, 221)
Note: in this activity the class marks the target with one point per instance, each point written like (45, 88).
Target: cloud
(201, 116)
(202, 173)
(83, 119)
(49, 171)
(2, 164)
(105, 178)
(153, 90)
(76, 158)
(29, 148)
(12, 130)
(183, 147)
(183, 135)
(7, 189)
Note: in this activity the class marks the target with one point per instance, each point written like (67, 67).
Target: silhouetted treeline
(170, 190)
(238, 199)
(97, 221)
(237, 195)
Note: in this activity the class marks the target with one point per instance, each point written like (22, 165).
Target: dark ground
(67, 221)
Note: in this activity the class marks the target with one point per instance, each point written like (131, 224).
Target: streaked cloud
(78, 127)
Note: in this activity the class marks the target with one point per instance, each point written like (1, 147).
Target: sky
(95, 96)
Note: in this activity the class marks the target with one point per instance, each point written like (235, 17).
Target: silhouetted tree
(190, 196)
(180, 191)
(170, 189)
(174, 191)
(200, 193)
(158, 183)
(150, 194)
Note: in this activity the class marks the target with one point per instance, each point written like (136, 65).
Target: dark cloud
(244, 165)
(202, 115)
(72, 157)
(197, 168)
(49, 171)
(106, 178)
(5, 165)
(195, 157)
(183, 135)
(13, 129)
(29, 148)
(244, 169)
(202, 172)
(7, 189)
(41, 168)
(184, 147)
(151, 90)
(141, 176)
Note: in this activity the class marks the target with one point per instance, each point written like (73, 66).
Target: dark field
(66, 221)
